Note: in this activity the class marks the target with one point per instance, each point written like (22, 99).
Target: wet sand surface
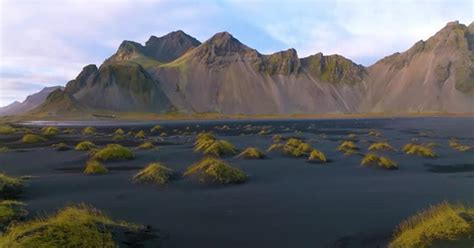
(287, 202)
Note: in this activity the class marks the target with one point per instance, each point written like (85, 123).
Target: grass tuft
(381, 146)
(154, 173)
(421, 150)
(119, 131)
(209, 145)
(348, 147)
(214, 170)
(140, 135)
(10, 187)
(113, 152)
(458, 146)
(11, 211)
(60, 147)
(89, 131)
(156, 128)
(372, 159)
(6, 129)
(73, 226)
(146, 145)
(94, 167)
(50, 131)
(251, 153)
(445, 222)
(85, 146)
(32, 138)
(316, 155)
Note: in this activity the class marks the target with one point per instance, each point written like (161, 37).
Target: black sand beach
(287, 202)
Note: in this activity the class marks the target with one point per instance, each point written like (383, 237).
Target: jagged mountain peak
(170, 46)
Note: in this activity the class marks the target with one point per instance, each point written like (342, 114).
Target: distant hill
(31, 102)
(178, 73)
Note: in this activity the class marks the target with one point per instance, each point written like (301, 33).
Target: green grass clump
(154, 173)
(277, 138)
(119, 131)
(89, 131)
(32, 138)
(293, 147)
(118, 137)
(371, 159)
(4, 149)
(113, 152)
(11, 211)
(73, 226)
(156, 128)
(294, 142)
(348, 147)
(316, 155)
(140, 135)
(94, 167)
(214, 170)
(68, 131)
(381, 146)
(251, 153)
(6, 129)
(458, 146)
(50, 131)
(146, 145)
(60, 147)
(421, 150)
(275, 147)
(10, 187)
(85, 146)
(209, 145)
(449, 224)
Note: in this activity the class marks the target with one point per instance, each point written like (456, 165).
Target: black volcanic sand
(287, 202)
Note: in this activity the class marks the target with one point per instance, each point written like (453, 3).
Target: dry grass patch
(50, 131)
(94, 167)
(73, 226)
(60, 147)
(32, 138)
(453, 143)
(318, 156)
(85, 146)
(119, 131)
(11, 211)
(156, 128)
(209, 145)
(140, 134)
(445, 222)
(348, 147)
(10, 187)
(214, 170)
(371, 159)
(381, 146)
(251, 153)
(146, 145)
(154, 173)
(89, 131)
(113, 152)
(7, 129)
(421, 150)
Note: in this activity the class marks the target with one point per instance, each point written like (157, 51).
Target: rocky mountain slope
(178, 73)
(30, 103)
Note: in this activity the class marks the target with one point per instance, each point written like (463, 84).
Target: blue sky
(46, 43)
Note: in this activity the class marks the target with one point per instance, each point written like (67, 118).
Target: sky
(48, 42)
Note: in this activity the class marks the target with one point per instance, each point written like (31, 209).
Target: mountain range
(178, 73)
